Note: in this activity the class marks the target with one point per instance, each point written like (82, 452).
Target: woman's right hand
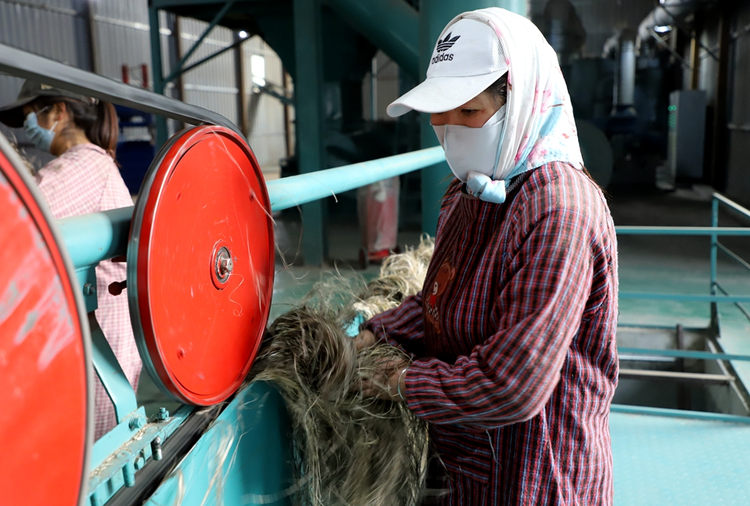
(364, 339)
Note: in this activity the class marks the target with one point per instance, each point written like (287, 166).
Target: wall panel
(63, 30)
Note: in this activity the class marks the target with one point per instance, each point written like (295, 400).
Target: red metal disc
(44, 356)
(201, 265)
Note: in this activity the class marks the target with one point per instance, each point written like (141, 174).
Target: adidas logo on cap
(447, 42)
(443, 45)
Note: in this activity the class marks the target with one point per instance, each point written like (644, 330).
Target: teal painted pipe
(392, 25)
(684, 296)
(731, 254)
(698, 231)
(433, 16)
(295, 190)
(678, 413)
(731, 204)
(697, 355)
(94, 237)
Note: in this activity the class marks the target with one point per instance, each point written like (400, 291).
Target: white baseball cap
(466, 60)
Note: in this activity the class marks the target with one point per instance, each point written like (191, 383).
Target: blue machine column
(433, 16)
(392, 25)
(308, 93)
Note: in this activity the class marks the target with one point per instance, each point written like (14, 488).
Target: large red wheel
(45, 365)
(201, 265)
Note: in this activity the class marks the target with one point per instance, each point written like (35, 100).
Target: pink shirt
(86, 180)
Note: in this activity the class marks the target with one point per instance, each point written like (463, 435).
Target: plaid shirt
(86, 180)
(513, 337)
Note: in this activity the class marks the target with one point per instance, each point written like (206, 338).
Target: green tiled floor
(668, 461)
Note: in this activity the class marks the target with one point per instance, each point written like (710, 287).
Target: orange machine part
(203, 253)
(43, 357)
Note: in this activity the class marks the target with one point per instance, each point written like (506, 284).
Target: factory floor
(657, 460)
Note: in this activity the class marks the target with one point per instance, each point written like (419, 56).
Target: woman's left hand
(382, 382)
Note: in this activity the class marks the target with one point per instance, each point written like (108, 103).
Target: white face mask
(472, 149)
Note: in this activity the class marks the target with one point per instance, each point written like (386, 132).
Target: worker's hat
(466, 60)
(12, 114)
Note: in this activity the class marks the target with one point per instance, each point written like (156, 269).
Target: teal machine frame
(96, 237)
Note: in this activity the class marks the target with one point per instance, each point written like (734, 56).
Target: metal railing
(716, 246)
(714, 232)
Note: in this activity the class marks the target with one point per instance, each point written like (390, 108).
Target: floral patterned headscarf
(540, 127)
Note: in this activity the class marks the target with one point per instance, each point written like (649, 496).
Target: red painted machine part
(208, 193)
(43, 361)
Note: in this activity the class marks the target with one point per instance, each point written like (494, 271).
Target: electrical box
(687, 132)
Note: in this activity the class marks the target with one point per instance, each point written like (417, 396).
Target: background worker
(83, 178)
(513, 337)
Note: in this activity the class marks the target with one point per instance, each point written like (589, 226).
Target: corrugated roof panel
(46, 32)
(119, 45)
(132, 11)
(58, 29)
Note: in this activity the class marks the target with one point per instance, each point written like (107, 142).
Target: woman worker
(82, 133)
(513, 337)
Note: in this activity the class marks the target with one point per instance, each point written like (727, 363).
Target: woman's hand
(364, 339)
(383, 381)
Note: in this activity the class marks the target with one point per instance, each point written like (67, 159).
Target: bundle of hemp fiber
(348, 450)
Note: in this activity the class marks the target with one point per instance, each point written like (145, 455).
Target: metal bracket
(110, 373)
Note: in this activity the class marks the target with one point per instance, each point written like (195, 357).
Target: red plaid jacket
(513, 337)
(85, 180)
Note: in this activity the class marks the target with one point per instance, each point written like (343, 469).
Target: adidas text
(443, 57)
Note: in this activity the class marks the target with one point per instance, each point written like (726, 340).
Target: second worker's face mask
(472, 149)
(40, 137)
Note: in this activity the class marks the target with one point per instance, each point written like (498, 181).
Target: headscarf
(540, 127)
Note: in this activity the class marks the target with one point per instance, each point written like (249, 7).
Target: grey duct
(621, 46)
(668, 12)
(624, 92)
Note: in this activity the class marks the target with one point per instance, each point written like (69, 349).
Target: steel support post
(308, 93)
(157, 70)
(433, 16)
(714, 240)
(715, 325)
(239, 71)
(215, 21)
